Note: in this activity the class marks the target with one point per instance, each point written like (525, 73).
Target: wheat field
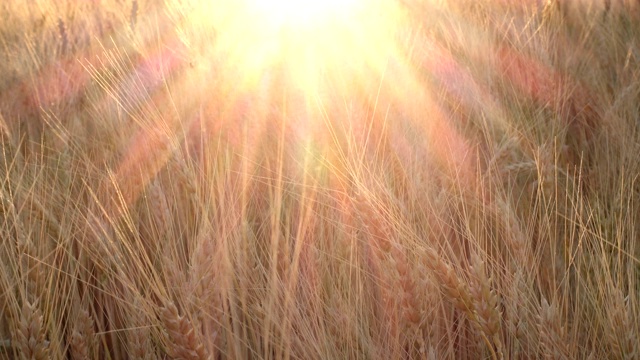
(417, 179)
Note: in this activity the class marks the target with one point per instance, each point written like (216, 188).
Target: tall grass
(480, 198)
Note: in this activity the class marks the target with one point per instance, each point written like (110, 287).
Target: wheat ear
(30, 335)
(82, 336)
(181, 335)
(552, 333)
(486, 303)
(140, 344)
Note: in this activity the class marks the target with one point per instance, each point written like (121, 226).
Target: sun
(309, 41)
(298, 14)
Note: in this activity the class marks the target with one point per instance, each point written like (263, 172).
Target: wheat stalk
(622, 335)
(134, 15)
(517, 321)
(30, 267)
(430, 322)
(456, 290)
(486, 303)
(82, 340)
(453, 286)
(552, 333)
(410, 299)
(140, 344)
(201, 283)
(30, 335)
(159, 207)
(181, 335)
(63, 35)
(27, 253)
(182, 175)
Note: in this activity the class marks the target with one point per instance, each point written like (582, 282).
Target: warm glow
(303, 13)
(309, 42)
